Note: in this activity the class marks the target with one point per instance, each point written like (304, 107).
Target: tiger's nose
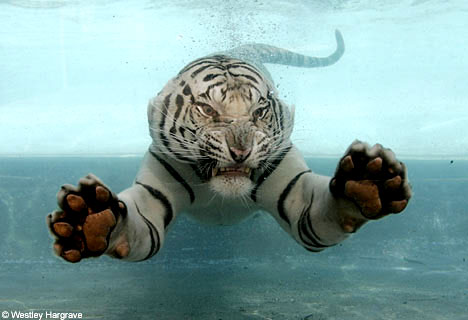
(239, 155)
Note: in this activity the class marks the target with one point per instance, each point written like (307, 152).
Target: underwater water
(75, 79)
(408, 266)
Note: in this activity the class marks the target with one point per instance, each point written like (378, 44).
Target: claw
(347, 164)
(55, 216)
(393, 183)
(58, 248)
(351, 224)
(72, 255)
(63, 229)
(375, 165)
(102, 195)
(121, 206)
(122, 250)
(76, 203)
(397, 206)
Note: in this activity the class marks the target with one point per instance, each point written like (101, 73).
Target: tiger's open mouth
(232, 172)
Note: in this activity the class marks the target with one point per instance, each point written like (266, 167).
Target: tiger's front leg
(93, 221)
(319, 211)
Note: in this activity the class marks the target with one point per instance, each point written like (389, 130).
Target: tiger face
(223, 117)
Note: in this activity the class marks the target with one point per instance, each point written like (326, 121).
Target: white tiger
(221, 150)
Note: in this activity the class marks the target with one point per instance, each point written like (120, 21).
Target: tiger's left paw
(373, 179)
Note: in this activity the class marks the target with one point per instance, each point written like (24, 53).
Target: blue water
(409, 266)
(75, 79)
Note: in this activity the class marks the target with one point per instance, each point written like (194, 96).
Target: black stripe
(249, 77)
(180, 103)
(175, 175)
(281, 116)
(167, 101)
(195, 63)
(221, 58)
(278, 113)
(198, 172)
(187, 91)
(212, 76)
(211, 65)
(193, 132)
(211, 86)
(212, 146)
(245, 66)
(216, 139)
(152, 230)
(274, 107)
(165, 202)
(284, 195)
(274, 164)
(166, 143)
(317, 239)
(262, 139)
(309, 238)
(182, 132)
(196, 72)
(256, 89)
(162, 136)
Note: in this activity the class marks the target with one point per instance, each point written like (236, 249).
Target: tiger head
(223, 117)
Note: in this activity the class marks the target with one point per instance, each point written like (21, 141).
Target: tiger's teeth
(215, 171)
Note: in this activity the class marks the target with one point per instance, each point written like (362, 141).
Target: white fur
(231, 187)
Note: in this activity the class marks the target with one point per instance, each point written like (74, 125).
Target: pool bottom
(230, 290)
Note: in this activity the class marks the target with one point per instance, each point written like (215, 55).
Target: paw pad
(366, 195)
(96, 228)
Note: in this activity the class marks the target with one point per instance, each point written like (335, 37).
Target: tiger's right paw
(88, 215)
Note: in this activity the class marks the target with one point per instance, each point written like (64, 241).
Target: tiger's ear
(159, 105)
(151, 110)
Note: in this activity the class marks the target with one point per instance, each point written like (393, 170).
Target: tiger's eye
(209, 111)
(259, 113)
